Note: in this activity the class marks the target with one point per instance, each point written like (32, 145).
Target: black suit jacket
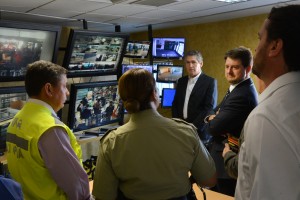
(233, 112)
(203, 99)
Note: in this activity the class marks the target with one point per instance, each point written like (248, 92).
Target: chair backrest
(10, 189)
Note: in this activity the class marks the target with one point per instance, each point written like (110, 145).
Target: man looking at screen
(196, 94)
(43, 154)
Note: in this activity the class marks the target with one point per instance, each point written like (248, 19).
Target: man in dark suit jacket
(229, 116)
(196, 94)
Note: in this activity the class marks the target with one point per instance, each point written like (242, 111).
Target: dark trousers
(225, 186)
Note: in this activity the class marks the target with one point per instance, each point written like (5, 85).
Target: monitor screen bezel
(163, 96)
(32, 27)
(72, 103)
(98, 72)
(139, 43)
(165, 38)
(167, 81)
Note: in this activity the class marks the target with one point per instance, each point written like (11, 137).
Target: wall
(213, 40)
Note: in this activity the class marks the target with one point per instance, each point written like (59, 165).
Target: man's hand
(226, 149)
(211, 117)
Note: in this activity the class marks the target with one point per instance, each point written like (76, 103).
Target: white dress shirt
(189, 89)
(269, 158)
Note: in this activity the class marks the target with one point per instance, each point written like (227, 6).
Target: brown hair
(135, 88)
(284, 24)
(41, 72)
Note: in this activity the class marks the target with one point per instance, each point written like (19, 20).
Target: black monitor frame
(149, 68)
(25, 47)
(83, 121)
(7, 96)
(90, 49)
(161, 79)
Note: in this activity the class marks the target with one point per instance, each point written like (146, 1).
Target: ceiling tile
(123, 9)
(75, 5)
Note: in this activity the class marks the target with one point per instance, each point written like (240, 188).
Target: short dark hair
(195, 53)
(284, 23)
(41, 72)
(241, 53)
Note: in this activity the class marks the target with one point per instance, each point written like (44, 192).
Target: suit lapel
(198, 83)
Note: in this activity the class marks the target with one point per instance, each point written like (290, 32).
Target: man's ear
(48, 89)
(248, 69)
(276, 47)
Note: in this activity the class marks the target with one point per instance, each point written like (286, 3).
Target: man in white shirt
(196, 94)
(269, 158)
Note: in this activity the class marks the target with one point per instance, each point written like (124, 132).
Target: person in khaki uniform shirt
(150, 156)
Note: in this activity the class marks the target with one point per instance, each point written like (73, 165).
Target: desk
(90, 144)
(210, 195)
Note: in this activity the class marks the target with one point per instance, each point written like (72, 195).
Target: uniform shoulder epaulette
(107, 133)
(182, 121)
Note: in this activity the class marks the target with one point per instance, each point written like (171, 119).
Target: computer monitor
(137, 49)
(168, 47)
(167, 97)
(126, 67)
(169, 73)
(22, 43)
(94, 53)
(94, 104)
(3, 133)
(12, 100)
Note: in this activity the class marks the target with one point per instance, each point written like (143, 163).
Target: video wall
(88, 53)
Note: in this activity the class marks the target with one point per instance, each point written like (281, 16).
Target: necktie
(227, 94)
(225, 97)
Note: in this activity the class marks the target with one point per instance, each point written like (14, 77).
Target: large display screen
(94, 104)
(24, 43)
(91, 53)
(169, 73)
(137, 49)
(167, 97)
(168, 47)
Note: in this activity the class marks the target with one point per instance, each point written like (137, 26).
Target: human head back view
(136, 89)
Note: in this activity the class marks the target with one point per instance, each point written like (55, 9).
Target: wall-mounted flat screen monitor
(12, 100)
(126, 67)
(23, 43)
(94, 104)
(160, 86)
(169, 73)
(168, 48)
(137, 49)
(92, 53)
(167, 97)
(3, 133)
